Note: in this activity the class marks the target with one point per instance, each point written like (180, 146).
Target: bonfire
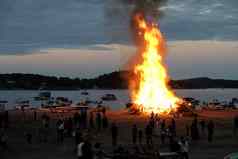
(150, 91)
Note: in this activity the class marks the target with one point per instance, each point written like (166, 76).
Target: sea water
(123, 96)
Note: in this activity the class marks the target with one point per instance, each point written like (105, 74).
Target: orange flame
(152, 94)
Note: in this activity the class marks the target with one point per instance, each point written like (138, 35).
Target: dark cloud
(28, 25)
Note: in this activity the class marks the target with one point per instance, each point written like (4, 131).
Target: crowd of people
(84, 124)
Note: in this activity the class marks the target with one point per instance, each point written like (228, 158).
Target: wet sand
(224, 142)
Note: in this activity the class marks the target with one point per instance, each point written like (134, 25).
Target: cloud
(26, 26)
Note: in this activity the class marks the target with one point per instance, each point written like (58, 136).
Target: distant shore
(114, 80)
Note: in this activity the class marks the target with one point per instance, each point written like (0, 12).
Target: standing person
(29, 138)
(134, 134)
(70, 127)
(162, 136)
(162, 126)
(99, 121)
(104, 121)
(35, 115)
(187, 130)
(174, 145)
(184, 148)
(91, 120)
(60, 131)
(140, 136)
(148, 132)
(235, 125)
(194, 130)
(87, 152)
(3, 140)
(210, 129)
(173, 127)
(6, 119)
(104, 111)
(114, 131)
(98, 151)
(79, 150)
(202, 125)
(78, 136)
(46, 124)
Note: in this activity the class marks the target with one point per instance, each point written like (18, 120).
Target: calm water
(122, 95)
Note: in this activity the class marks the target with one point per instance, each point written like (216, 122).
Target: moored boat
(109, 97)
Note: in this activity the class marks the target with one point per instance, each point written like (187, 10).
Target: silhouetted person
(114, 131)
(78, 136)
(98, 152)
(210, 129)
(87, 152)
(148, 133)
(29, 138)
(3, 140)
(184, 148)
(134, 134)
(163, 125)
(104, 122)
(99, 121)
(194, 130)
(187, 130)
(235, 125)
(203, 125)
(76, 119)
(173, 127)
(60, 131)
(140, 136)
(162, 135)
(91, 120)
(35, 115)
(6, 119)
(104, 111)
(174, 145)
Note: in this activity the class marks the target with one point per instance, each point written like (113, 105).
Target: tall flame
(152, 93)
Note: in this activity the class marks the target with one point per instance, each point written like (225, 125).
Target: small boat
(43, 96)
(62, 102)
(3, 105)
(22, 104)
(109, 97)
(84, 93)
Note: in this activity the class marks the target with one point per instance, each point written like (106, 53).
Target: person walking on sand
(210, 129)
(134, 134)
(114, 131)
